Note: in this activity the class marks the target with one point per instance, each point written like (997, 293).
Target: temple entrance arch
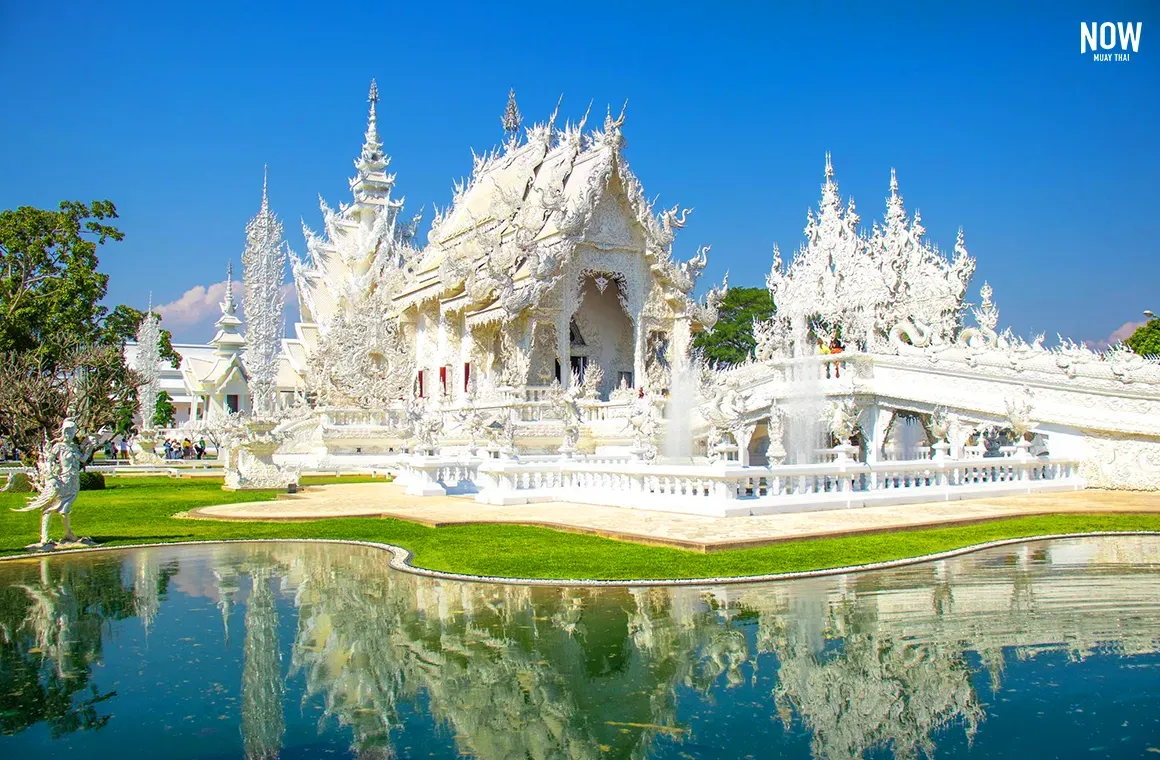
(601, 331)
(907, 437)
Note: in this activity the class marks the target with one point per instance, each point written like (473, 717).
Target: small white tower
(228, 341)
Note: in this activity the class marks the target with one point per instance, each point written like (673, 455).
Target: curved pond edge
(401, 561)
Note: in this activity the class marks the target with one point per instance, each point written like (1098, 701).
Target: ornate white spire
(895, 212)
(148, 367)
(228, 341)
(228, 305)
(511, 120)
(372, 159)
(263, 269)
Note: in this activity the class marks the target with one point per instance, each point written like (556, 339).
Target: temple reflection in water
(894, 661)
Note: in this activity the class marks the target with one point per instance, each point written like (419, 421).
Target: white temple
(537, 347)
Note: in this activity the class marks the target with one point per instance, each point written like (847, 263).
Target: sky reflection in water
(295, 650)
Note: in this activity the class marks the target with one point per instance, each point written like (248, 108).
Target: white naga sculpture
(58, 480)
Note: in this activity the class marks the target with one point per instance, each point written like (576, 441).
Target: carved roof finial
(555, 112)
(512, 119)
(829, 167)
(893, 182)
(265, 198)
(371, 158)
(228, 340)
(149, 308)
(229, 306)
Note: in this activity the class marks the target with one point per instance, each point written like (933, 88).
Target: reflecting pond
(299, 650)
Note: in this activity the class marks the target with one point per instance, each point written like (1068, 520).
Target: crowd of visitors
(184, 449)
(117, 448)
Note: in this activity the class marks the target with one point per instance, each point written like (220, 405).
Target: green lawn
(139, 510)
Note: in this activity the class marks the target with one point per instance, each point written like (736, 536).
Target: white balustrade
(729, 489)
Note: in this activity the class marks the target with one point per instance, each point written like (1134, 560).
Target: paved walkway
(686, 531)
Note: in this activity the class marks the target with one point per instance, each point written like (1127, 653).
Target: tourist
(168, 446)
(200, 448)
(187, 449)
(125, 447)
(835, 348)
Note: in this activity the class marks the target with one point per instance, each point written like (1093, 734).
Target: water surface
(307, 650)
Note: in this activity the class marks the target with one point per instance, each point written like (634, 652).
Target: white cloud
(191, 316)
(1122, 332)
(1125, 331)
(194, 306)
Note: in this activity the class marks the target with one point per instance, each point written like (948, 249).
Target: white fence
(734, 490)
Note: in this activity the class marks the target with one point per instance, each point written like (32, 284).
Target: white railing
(731, 489)
(355, 417)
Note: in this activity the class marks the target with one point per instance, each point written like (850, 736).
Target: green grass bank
(140, 510)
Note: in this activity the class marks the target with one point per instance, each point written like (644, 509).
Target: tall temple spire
(371, 159)
(228, 340)
(265, 197)
(263, 273)
(229, 306)
(829, 168)
(512, 119)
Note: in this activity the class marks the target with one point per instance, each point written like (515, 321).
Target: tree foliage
(90, 384)
(50, 289)
(1146, 340)
(61, 350)
(731, 340)
(165, 414)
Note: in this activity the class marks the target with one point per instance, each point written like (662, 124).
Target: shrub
(92, 481)
(17, 483)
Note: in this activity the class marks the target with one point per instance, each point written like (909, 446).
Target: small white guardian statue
(57, 481)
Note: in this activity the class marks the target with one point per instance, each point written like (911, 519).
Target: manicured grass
(139, 510)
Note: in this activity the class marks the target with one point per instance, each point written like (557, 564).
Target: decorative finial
(555, 112)
(512, 119)
(371, 157)
(265, 199)
(149, 309)
(829, 167)
(230, 282)
(893, 182)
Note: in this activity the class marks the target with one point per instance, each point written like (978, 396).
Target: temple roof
(518, 220)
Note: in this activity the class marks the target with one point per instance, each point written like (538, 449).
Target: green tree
(1146, 340)
(60, 349)
(50, 289)
(731, 340)
(165, 414)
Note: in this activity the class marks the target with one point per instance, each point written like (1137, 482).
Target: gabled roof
(514, 225)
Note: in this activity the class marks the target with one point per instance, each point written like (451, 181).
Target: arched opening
(907, 437)
(602, 333)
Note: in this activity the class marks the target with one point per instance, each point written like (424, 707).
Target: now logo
(1108, 35)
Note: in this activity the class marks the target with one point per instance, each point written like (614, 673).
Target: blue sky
(991, 116)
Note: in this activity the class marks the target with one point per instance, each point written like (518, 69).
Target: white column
(743, 435)
(638, 349)
(564, 346)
